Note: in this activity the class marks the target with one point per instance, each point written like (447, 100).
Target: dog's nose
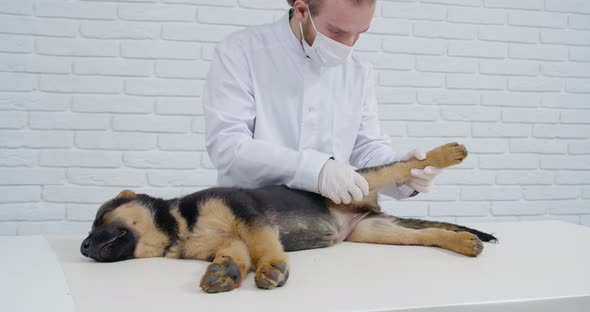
(85, 246)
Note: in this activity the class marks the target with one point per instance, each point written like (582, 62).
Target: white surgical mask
(325, 51)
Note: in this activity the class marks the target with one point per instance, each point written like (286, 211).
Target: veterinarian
(290, 103)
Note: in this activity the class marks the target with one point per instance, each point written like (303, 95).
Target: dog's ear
(127, 194)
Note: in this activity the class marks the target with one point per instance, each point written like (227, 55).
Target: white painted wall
(97, 96)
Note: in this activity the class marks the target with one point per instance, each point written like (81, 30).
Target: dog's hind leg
(384, 229)
(424, 224)
(399, 172)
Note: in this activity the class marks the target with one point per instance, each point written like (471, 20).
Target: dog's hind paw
(447, 155)
(468, 244)
(272, 275)
(221, 277)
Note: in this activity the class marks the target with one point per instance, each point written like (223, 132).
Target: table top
(542, 266)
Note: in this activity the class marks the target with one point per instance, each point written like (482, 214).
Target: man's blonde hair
(314, 5)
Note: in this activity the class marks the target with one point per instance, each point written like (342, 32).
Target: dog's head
(130, 226)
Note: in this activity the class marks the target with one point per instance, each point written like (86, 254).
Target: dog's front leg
(229, 267)
(267, 253)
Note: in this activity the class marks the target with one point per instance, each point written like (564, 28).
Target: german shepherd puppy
(239, 229)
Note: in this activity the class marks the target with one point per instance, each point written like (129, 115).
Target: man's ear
(300, 11)
(126, 194)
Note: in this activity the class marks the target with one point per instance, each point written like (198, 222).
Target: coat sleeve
(230, 118)
(372, 147)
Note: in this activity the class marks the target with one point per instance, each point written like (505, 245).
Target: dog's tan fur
(382, 231)
(152, 242)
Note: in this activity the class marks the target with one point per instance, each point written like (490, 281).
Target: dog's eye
(122, 233)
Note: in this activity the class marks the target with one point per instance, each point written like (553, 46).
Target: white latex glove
(421, 180)
(340, 183)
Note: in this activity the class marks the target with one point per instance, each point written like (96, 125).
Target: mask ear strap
(301, 29)
(312, 23)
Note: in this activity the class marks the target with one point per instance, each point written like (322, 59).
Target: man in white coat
(290, 103)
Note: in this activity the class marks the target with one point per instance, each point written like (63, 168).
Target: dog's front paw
(271, 275)
(446, 155)
(223, 275)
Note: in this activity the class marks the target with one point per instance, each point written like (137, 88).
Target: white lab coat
(273, 116)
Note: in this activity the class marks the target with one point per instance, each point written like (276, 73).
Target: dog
(239, 230)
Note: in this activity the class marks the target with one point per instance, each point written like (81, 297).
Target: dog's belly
(323, 228)
(303, 219)
(307, 232)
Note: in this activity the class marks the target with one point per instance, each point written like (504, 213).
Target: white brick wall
(100, 95)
